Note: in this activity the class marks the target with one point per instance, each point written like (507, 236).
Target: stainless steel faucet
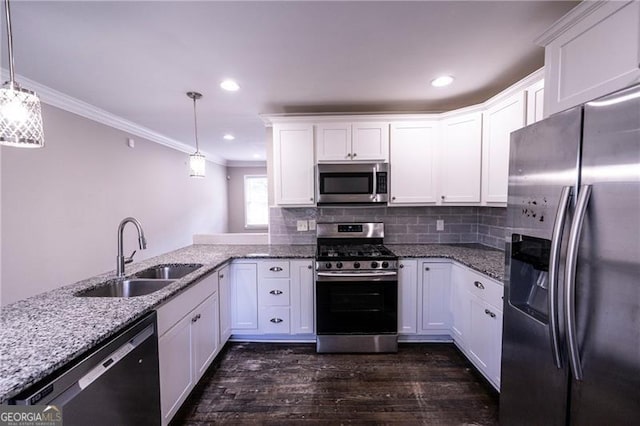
(121, 260)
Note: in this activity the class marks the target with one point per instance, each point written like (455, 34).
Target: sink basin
(126, 288)
(167, 272)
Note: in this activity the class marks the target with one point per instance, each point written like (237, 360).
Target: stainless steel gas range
(356, 289)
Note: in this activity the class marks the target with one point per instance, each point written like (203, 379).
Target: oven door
(357, 303)
(352, 183)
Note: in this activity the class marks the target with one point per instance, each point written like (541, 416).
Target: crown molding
(237, 163)
(572, 17)
(73, 105)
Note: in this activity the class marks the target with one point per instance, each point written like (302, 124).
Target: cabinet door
(435, 295)
(496, 360)
(535, 102)
(370, 141)
(461, 157)
(302, 297)
(176, 367)
(225, 305)
(499, 121)
(595, 55)
(244, 296)
(333, 142)
(412, 154)
(480, 342)
(293, 164)
(460, 305)
(408, 297)
(205, 334)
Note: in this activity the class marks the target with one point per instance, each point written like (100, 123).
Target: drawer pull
(276, 292)
(275, 269)
(488, 312)
(276, 320)
(479, 285)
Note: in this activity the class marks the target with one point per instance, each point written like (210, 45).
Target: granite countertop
(44, 332)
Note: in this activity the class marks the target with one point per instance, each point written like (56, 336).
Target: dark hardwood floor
(271, 383)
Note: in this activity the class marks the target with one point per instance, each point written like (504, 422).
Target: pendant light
(20, 112)
(197, 162)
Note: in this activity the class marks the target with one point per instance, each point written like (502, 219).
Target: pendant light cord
(195, 122)
(9, 43)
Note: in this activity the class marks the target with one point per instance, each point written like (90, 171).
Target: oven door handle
(339, 275)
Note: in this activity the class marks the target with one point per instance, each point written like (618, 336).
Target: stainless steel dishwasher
(116, 384)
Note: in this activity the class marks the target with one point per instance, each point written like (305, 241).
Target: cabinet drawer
(275, 320)
(274, 292)
(273, 269)
(485, 288)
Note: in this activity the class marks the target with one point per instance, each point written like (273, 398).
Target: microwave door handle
(374, 196)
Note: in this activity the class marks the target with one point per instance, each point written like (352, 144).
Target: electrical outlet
(302, 225)
(312, 224)
(439, 225)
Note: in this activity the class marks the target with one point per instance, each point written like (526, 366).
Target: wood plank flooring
(271, 383)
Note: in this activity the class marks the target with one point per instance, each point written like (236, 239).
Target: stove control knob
(385, 264)
(374, 265)
(356, 265)
(327, 265)
(339, 265)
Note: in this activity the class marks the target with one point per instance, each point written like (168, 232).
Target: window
(256, 205)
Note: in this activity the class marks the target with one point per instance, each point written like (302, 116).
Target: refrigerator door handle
(570, 280)
(556, 243)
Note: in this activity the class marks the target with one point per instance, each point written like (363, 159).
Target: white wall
(61, 205)
(236, 196)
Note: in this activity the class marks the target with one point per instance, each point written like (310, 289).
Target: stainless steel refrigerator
(571, 337)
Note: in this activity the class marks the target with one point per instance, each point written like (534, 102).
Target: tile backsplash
(404, 225)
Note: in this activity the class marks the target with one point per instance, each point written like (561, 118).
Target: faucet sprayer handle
(130, 258)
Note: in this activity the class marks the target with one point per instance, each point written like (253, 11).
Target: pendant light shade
(20, 111)
(197, 162)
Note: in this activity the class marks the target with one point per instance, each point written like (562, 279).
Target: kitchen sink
(167, 272)
(130, 287)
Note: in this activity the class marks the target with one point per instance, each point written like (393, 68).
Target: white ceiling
(137, 59)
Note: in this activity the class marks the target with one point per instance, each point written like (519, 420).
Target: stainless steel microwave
(353, 183)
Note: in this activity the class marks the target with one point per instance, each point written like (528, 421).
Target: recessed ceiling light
(229, 85)
(443, 80)
(228, 137)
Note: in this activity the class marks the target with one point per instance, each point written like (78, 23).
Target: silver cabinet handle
(275, 292)
(393, 198)
(311, 199)
(427, 268)
(309, 267)
(442, 197)
(275, 269)
(354, 155)
(221, 276)
(276, 320)
(479, 285)
(488, 312)
(349, 155)
(401, 266)
(196, 318)
(570, 280)
(554, 260)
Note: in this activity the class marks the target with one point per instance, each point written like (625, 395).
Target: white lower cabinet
(460, 306)
(188, 327)
(224, 285)
(485, 338)
(244, 298)
(302, 297)
(408, 297)
(433, 291)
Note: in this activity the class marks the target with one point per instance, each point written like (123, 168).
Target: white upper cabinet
(333, 142)
(460, 159)
(591, 51)
(498, 123)
(293, 164)
(535, 102)
(370, 141)
(413, 150)
(337, 142)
